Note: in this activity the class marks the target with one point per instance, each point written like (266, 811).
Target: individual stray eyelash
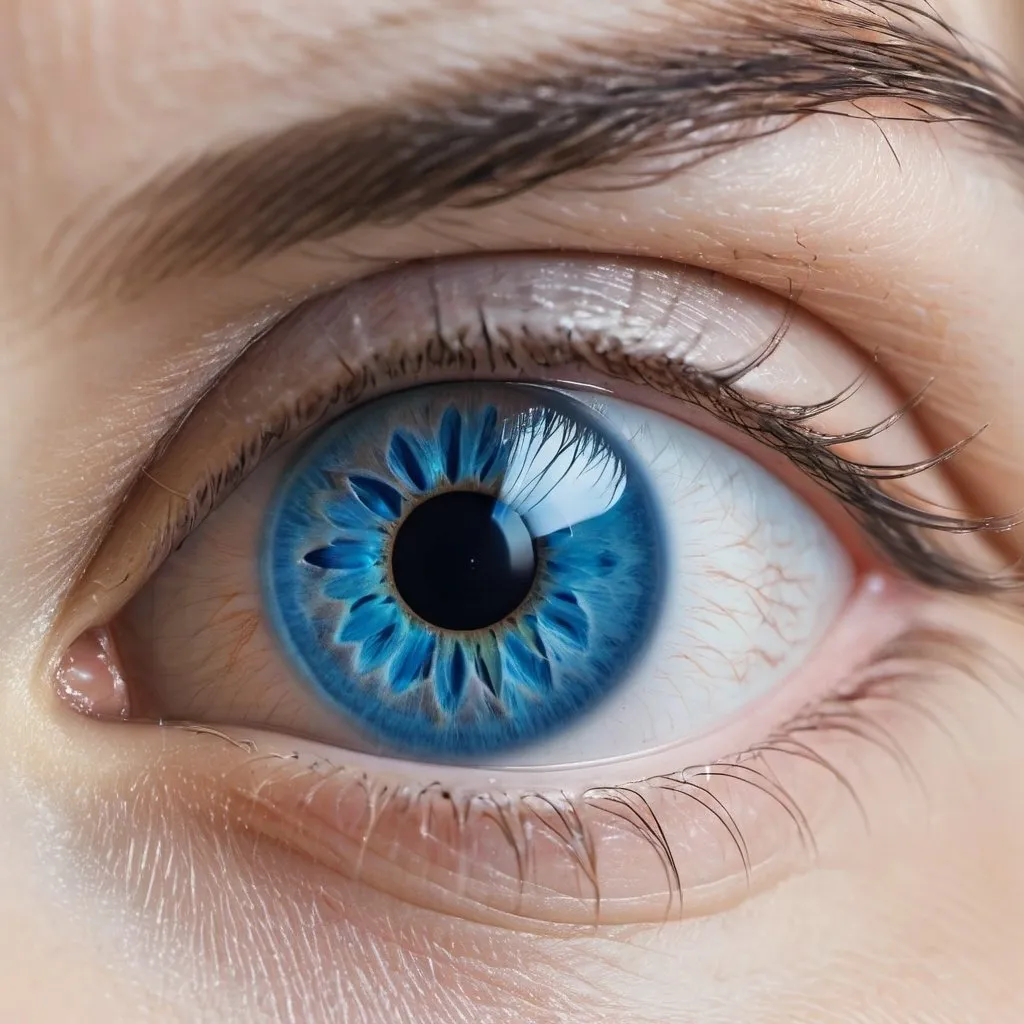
(862, 711)
(901, 530)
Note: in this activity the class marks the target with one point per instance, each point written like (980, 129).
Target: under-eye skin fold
(526, 569)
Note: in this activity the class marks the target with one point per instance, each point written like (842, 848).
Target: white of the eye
(754, 579)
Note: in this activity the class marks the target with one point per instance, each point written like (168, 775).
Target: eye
(512, 567)
(459, 570)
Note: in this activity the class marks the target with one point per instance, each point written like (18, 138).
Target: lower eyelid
(244, 795)
(518, 847)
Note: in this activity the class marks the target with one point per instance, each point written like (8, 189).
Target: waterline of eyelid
(476, 843)
(878, 609)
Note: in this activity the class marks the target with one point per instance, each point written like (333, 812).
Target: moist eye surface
(460, 569)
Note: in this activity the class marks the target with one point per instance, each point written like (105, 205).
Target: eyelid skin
(660, 329)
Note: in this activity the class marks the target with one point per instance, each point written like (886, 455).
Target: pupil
(463, 560)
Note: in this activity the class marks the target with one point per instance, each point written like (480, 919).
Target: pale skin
(131, 886)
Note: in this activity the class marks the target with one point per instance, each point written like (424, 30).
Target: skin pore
(180, 177)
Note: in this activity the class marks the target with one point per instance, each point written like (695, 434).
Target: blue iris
(459, 569)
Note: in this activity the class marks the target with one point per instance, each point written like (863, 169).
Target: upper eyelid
(318, 179)
(172, 505)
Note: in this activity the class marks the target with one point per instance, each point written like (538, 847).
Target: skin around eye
(701, 807)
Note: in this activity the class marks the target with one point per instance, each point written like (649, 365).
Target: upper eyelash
(899, 529)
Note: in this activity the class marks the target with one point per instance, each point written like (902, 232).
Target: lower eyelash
(575, 825)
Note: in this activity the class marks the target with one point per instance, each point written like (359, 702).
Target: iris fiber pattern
(565, 560)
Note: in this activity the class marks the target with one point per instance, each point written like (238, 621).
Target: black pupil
(463, 560)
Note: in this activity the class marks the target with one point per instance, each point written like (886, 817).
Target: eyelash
(898, 528)
(862, 711)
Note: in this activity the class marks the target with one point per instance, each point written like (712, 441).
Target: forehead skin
(96, 97)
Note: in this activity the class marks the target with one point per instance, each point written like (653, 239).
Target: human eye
(542, 588)
(753, 269)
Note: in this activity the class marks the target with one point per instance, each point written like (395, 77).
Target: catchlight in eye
(464, 568)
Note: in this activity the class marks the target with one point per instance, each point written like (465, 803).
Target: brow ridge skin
(482, 140)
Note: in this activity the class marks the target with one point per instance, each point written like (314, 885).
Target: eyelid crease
(647, 335)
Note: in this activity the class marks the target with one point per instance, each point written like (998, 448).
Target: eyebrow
(488, 138)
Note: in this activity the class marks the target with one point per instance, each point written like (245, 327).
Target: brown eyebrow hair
(486, 138)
